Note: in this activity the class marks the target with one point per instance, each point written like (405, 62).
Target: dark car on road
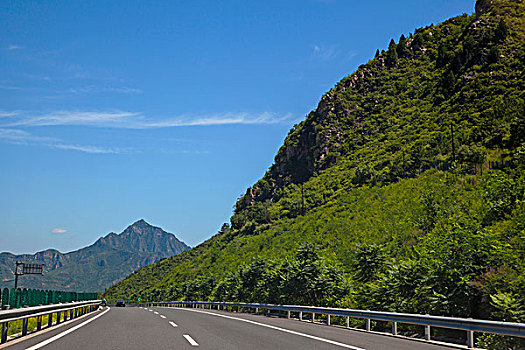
(120, 303)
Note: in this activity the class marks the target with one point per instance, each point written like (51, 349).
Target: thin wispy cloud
(92, 89)
(108, 119)
(220, 119)
(17, 136)
(134, 120)
(351, 54)
(14, 47)
(325, 53)
(21, 137)
(13, 126)
(59, 230)
(36, 77)
(185, 151)
(92, 149)
(331, 52)
(10, 87)
(4, 114)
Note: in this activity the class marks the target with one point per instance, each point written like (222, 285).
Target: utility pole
(18, 263)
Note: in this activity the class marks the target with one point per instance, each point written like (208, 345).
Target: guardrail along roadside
(35, 318)
(469, 325)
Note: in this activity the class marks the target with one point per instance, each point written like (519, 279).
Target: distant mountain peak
(141, 227)
(144, 237)
(112, 256)
(141, 223)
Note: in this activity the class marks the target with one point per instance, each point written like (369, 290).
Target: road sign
(27, 269)
(32, 269)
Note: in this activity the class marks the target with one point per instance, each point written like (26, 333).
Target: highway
(176, 328)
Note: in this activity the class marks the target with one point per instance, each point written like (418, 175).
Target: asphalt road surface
(133, 328)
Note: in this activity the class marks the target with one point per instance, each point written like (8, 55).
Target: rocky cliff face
(371, 110)
(482, 6)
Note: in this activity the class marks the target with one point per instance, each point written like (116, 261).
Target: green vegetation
(403, 191)
(15, 327)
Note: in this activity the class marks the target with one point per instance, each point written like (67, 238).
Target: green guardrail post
(31, 297)
(12, 298)
(25, 298)
(5, 298)
(18, 298)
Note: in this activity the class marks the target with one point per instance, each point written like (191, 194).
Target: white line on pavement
(281, 329)
(60, 335)
(173, 324)
(190, 340)
(162, 316)
(156, 313)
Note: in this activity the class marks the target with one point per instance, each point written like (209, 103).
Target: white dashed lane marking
(279, 329)
(190, 340)
(173, 324)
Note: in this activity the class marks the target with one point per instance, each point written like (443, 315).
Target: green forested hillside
(403, 190)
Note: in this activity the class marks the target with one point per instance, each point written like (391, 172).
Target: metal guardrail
(73, 310)
(465, 324)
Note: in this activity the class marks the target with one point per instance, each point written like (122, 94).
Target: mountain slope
(99, 265)
(408, 178)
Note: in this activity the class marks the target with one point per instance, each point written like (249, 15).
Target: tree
(391, 55)
(369, 260)
(310, 280)
(501, 32)
(377, 53)
(417, 42)
(401, 49)
(225, 228)
(443, 55)
(448, 82)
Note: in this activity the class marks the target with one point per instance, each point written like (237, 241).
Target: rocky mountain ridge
(99, 265)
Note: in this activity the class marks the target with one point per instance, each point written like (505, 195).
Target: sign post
(27, 269)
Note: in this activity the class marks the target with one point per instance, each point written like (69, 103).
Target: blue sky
(112, 111)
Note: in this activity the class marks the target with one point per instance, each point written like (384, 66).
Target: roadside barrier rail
(465, 324)
(63, 313)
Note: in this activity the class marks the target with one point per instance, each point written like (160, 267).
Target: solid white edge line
(173, 324)
(60, 335)
(333, 342)
(190, 340)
